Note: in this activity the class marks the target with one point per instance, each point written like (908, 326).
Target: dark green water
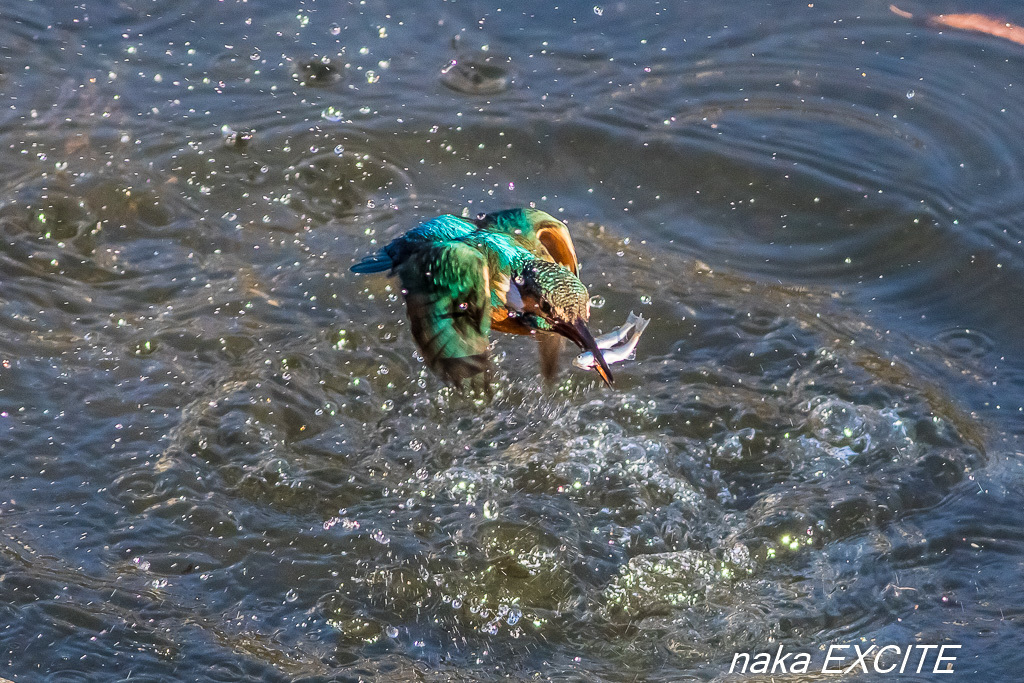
(223, 461)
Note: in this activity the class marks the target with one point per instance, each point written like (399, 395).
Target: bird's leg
(550, 346)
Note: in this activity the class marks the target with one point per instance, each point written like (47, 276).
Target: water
(223, 459)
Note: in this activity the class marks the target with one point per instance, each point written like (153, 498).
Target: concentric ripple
(225, 459)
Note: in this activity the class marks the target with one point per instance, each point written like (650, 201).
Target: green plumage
(448, 304)
(457, 275)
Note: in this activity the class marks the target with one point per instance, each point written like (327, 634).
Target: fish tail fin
(639, 322)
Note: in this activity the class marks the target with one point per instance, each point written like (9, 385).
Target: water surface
(224, 460)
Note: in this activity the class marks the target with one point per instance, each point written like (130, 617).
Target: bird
(514, 271)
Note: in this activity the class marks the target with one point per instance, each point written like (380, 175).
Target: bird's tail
(374, 263)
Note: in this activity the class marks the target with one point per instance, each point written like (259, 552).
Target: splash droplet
(332, 114)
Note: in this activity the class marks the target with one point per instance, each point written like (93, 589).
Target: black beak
(579, 335)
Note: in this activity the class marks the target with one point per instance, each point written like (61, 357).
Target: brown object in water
(971, 22)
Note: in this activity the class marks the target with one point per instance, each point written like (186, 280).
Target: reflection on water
(225, 460)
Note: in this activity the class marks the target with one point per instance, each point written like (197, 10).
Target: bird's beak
(579, 334)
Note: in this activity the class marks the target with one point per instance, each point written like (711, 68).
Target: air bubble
(332, 114)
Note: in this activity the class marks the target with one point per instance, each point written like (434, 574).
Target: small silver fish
(616, 346)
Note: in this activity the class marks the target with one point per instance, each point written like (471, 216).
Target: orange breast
(502, 323)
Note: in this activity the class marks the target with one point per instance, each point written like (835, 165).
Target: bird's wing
(537, 231)
(555, 238)
(448, 300)
(440, 229)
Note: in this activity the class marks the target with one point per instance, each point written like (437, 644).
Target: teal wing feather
(441, 229)
(536, 231)
(447, 296)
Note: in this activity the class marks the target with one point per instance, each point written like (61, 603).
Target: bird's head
(556, 300)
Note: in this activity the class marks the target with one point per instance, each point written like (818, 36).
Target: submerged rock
(317, 72)
(478, 74)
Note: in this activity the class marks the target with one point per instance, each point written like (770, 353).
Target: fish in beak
(579, 334)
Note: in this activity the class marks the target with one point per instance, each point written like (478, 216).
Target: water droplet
(388, 405)
(291, 596)
(339, 150)
(645, 300)
(597, 301)
(514, 615)
(335, 30)
(598, 10)
(380, 537)
(391, 631)
(456, 602)
(332, 114)
(255, 56)
(910, 94)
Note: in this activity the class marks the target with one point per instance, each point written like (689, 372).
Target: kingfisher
(513, 271)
